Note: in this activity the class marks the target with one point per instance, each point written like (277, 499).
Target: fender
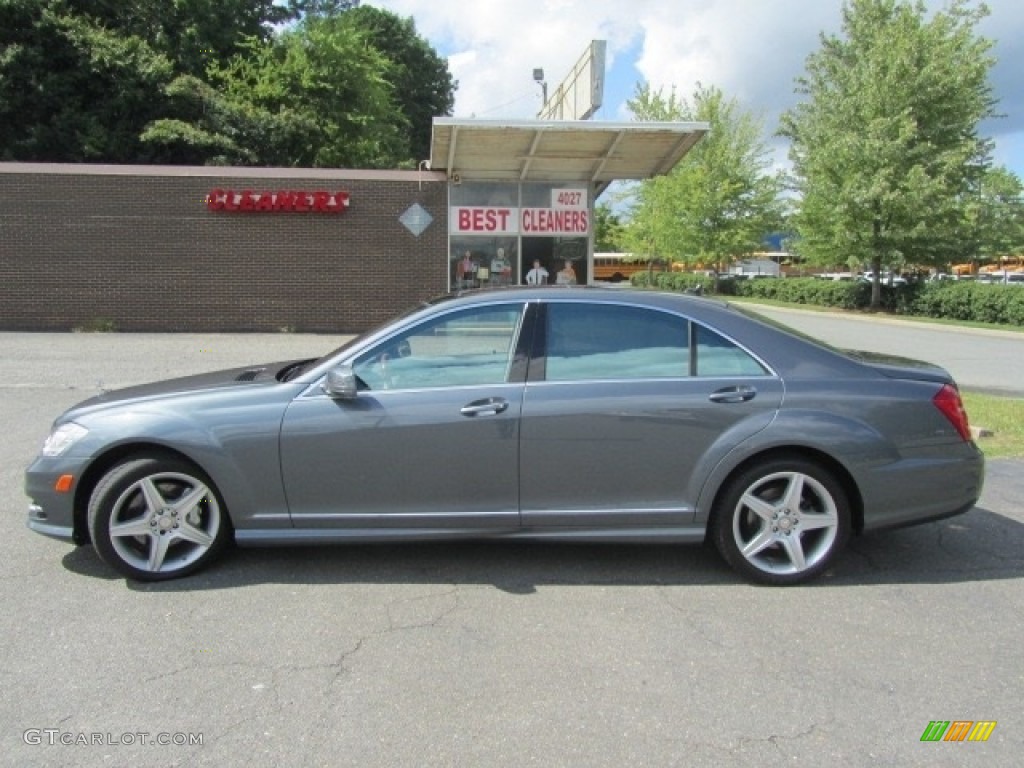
(241, 455)
(825, 433)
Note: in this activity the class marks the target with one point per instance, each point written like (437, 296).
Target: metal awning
(559, 151)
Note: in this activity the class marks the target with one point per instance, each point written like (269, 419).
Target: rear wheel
(157, 518)
(782, 521)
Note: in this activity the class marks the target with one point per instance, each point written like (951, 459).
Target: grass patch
(1004, 416)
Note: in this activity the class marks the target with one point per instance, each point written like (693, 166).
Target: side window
(717, 356)
(465, 348)
(608, 341)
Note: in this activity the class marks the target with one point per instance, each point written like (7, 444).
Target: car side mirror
(340, 383)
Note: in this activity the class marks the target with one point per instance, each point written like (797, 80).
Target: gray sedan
(580, 414)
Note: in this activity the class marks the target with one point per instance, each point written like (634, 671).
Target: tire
(782, 521)
(154, 519)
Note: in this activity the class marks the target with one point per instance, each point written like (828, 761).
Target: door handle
(488, 406)
(733, 395)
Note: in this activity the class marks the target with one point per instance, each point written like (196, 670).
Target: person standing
(538, 275)
(500, 268)
(566, 275)
(466, 271)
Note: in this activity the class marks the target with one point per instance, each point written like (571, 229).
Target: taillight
(948, 401)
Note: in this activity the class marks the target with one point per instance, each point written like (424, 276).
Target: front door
(431, 440)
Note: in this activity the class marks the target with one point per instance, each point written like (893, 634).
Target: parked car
(1001, 278)
(886, 279)
(570, 414)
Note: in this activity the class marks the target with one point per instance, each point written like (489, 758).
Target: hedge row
(954, 300)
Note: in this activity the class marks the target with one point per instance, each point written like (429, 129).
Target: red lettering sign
(484, 220)
(295, 201)
(545, 221)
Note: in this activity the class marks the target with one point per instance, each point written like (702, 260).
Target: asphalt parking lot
(476, 654)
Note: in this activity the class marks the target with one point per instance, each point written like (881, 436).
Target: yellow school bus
(616, 267)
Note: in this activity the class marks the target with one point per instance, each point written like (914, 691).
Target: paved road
(980, 360)
(482, 654)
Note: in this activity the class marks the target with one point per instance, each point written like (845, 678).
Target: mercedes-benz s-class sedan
(574, 414)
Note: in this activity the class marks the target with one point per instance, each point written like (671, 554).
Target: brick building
(139, 248)
(169, 248)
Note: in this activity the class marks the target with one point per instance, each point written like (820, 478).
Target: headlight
(62, 438)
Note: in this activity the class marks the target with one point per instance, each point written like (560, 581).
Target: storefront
(508, 234)
(521, 195)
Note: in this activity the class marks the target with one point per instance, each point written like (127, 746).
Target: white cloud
(753, 51)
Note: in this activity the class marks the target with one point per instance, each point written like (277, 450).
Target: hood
(896, 367)
(248, 376)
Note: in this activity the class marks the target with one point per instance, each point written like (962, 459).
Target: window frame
(537, 372)
(516, 361)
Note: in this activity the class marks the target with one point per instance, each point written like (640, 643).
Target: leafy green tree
(609, 229)
(885, 145)
(313, 96)
(718, 203)
(216, 81)
(992, 217)
(421, 83)
(342, 88)
(191, 33)
(72, 90)
(306, 8)
(211, 129)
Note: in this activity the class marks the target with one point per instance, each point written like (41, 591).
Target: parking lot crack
(402, 616)
(420, 612)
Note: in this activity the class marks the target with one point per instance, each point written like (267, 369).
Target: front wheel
(157, 518)
(782, 521)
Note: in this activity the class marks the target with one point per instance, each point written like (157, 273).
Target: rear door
(626, 409)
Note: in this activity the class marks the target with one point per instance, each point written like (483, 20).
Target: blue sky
(752, 49)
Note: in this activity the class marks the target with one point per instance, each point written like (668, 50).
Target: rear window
(609, 341)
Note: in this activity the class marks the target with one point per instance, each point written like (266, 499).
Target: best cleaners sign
(568, 215)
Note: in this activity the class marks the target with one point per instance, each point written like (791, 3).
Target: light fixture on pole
(538, 76)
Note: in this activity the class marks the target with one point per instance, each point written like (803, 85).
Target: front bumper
(52, 513)
(38, 522)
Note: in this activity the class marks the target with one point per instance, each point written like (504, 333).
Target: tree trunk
(876, 283)
(876, 264)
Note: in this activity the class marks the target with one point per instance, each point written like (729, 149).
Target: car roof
(596, 293)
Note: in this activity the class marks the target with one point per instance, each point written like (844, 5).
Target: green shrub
(974, 302)
(953, 300)
(807, 290)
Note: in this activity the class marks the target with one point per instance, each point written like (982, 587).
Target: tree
(608, 228)
(190, 33)
(216, 81)
(314, 96)
(72, 91)
(885, 145)
(80, 79)
(305, 8)
(718, 203)
(992, 217)
(421, 83)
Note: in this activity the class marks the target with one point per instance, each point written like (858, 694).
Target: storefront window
(555, 231)
(506, 234)
(482, 262)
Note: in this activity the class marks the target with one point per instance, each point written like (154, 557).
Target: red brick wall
(138, 249)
